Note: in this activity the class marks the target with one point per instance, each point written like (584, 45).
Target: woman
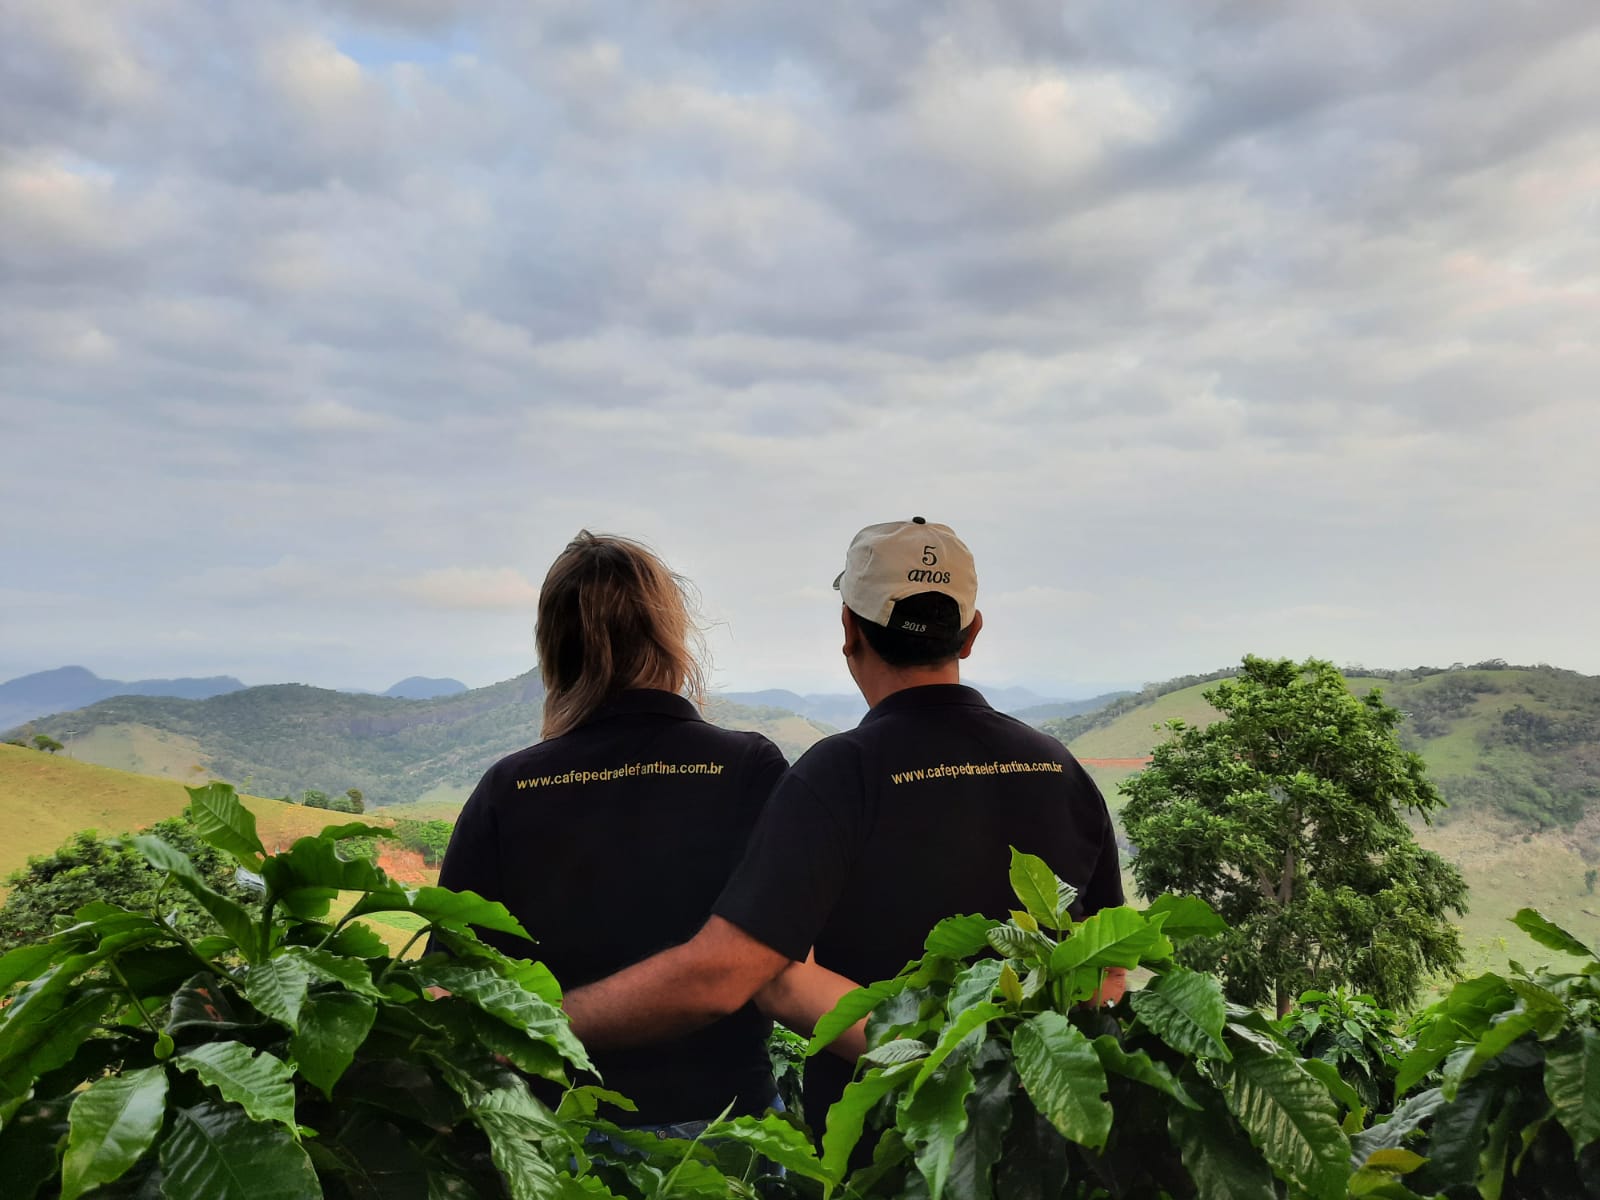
(611, 838)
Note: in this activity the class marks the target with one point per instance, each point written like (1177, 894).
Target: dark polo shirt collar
(646, 702)
(928, 695)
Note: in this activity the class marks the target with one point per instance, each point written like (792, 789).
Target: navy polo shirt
(877, 834)
(609, 843)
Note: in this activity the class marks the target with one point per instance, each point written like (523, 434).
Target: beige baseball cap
(888, 562)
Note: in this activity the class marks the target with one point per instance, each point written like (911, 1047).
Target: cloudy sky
(1214, 326)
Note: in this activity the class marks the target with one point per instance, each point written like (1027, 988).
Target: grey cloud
(1189, 292)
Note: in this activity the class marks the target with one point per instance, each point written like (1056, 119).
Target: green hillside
(287, 738)
(45, 799)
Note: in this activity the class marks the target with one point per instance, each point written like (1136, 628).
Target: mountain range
(844, 710)
(285, 739)
(67, 688)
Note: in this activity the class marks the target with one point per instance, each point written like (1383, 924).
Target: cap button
(919, 520)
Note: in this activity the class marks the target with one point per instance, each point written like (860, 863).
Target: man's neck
(880, 681)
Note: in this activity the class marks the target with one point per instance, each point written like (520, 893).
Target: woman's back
(610, 843)
(611, 839)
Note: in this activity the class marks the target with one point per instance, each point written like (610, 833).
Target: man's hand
(713, 974)
(802, 994)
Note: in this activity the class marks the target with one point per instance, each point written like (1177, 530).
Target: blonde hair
(613, 616)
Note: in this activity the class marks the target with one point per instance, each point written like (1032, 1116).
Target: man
(878, 833)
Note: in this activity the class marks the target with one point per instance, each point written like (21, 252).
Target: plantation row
(275, 1053)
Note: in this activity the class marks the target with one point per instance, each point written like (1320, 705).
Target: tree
(312, 798)
(43, 741)
(358, 800)
(91, 868)
(1288, 816)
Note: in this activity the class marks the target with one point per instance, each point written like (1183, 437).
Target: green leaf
(352, 974)
(112, 1124)
(1457, 1134)
(1406, 1120)
(464, 1023)
(202, 1000)
(774, 1139)
(534, 976)
(582, 1103)
(509, 1001)
(1186, 917)
(1141, 1068)
(1216, 1152)
(851, 1008)
(1186, 1010)
(47, 1021)
(313, 865)
(527, 1172)
(900, 1050)
(1507, 1028)
(1061, 1073)
(1328, 1075)
(1036, 887)
(234, 919)
(27, 962)
(278, 988)
(219, 818)
(1572, 1082)
(332, 1027)
(989, 1111)
(1547, 933)
(959, 936)
(1010, 985)
(932, 1117)
(1290, 1118)
(1020, 943)
(516, 1123)
(1492, 1159)
(965, 1024)
(849, 1114)
(442, 907)
(1112, 937)
(216, 1152)
(260, 1083)
(1395, 1162)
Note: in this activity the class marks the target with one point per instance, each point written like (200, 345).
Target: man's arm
(675, 992)
(802, 994)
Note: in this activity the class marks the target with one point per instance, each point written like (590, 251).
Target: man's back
(878, 833)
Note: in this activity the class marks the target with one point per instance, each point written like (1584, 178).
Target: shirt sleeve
(799, 859)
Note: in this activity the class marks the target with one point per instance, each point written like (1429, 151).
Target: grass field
(46, 798)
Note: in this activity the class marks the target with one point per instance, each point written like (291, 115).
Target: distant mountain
(44, 692)
(420, 687)
(287, 738)
(844, 710)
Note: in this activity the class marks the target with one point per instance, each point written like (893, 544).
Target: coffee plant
(283, 1052)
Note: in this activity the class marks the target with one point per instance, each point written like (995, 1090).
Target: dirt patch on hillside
(406, 866)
